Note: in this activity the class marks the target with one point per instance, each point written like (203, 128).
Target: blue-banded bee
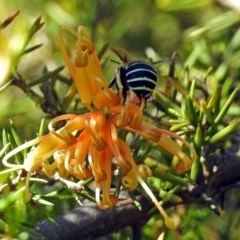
(136, 75)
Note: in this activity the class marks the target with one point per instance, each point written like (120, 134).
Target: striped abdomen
(141, 78)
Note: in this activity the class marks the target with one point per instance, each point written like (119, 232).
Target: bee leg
(142, 101)
(113, 82)
(124, 93)
(117, 87)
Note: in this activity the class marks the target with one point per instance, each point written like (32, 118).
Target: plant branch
(89, 221)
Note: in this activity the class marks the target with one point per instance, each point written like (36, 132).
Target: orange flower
(87, 144)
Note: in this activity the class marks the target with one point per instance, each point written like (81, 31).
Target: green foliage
(198, 98)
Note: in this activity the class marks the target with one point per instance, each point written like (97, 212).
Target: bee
(139, 76)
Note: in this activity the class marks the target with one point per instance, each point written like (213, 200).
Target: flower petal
(162, 138)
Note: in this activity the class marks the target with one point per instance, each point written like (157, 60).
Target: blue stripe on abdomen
(141, 78)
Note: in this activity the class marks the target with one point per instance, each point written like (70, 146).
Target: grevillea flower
(87, 144)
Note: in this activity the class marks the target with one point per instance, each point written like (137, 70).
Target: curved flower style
(87, 144)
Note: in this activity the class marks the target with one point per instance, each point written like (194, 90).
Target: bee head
(123, 54)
